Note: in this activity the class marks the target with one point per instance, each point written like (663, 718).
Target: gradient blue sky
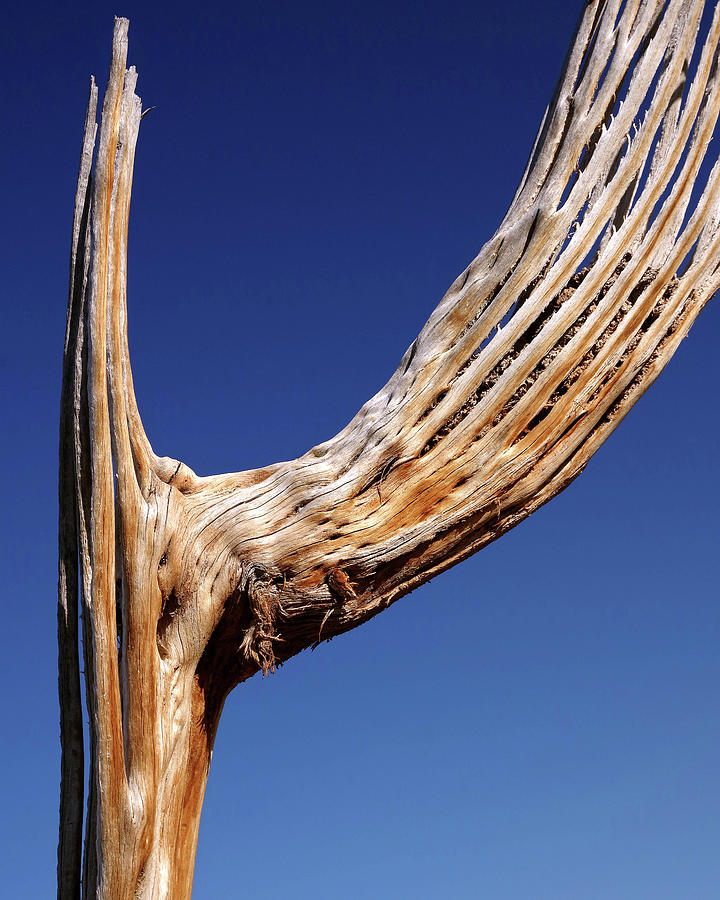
(540, 722)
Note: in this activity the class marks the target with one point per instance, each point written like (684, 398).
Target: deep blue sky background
(540, 722)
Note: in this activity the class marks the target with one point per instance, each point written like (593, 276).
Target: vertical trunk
(149, 853)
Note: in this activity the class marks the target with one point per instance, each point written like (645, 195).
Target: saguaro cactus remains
(189, 585)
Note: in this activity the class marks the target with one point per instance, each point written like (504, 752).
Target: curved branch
(534, 356)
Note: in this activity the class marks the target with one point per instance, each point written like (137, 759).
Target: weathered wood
(191, 585)
(71, 728)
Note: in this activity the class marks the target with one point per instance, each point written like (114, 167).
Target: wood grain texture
(71, 729)
(190, 585)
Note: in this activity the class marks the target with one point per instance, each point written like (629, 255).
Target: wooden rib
(110, 753)
(137, 449)
(71, 727)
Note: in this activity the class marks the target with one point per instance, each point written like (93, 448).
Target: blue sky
(543, 720)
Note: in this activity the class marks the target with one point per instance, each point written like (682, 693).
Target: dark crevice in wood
(587, 55)
(563, 387)
(484, 305)
(169, 609)
(516, 306)
(525, 339)
(380, 476)
(621, 403)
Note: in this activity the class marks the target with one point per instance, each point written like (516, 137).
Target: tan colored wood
(532, 358)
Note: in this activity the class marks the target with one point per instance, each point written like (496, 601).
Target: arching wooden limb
(191, 585)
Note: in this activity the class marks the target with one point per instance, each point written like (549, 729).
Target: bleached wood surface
(532, 358)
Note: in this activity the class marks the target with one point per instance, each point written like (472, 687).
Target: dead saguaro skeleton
(189, 585)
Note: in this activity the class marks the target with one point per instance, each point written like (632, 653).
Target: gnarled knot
(260, 585)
